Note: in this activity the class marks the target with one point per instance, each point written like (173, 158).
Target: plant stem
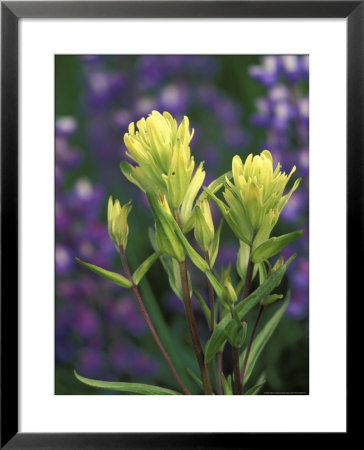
(145, 314)
(250, 344)
(211, 296)
(238, 389)
(248, 279)
(193, 329)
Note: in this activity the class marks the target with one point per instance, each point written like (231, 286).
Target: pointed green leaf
(233, 219)
(262, 338)
(218, 288)
(195, 378)
(174, 277)
(263, 290)
(111, 276)
(218, 337)
(214, 247)
(230, 331)
(241, 335)
(204, 307)
(168, 266)
(215, 185)
(145, 266)
(197, 260)
(262, 272)
(133, 388)
(254, 390)
(239, 287)
(226, 385)
(273, 246)
(242, 259)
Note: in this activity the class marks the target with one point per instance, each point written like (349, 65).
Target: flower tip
(267, 154)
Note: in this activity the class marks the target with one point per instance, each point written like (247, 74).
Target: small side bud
(279, 263)
(229, 294)
(117, 222)
(270, 299)
(204, 226)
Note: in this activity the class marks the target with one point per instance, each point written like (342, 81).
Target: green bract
(166, 238)
(204, 226)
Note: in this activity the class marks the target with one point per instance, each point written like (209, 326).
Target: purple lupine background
(283, 112)
(237, 106)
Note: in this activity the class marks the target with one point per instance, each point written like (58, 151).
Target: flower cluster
(255, 201)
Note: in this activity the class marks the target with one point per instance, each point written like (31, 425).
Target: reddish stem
(211, 296)
(145, 314)
(193, 329)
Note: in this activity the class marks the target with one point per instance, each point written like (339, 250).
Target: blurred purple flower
(126, 312)
(64, 261)
(173, 303)
(143, 366)
(91, 362)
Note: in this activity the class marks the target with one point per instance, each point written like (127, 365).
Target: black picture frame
(11, 12)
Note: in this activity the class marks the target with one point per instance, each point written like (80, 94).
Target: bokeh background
(237, 105)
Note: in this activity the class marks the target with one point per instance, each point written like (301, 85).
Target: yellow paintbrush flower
(259, 187)
(117, 222)
(255, 198)
(160, 149)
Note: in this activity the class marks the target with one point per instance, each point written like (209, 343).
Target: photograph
(181, 224)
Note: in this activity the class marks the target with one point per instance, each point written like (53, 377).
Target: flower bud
(236, 331)
(270, 299)
(278, 264)
(229, 293)
(117, 222)
(229, 296)
(204, 226)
